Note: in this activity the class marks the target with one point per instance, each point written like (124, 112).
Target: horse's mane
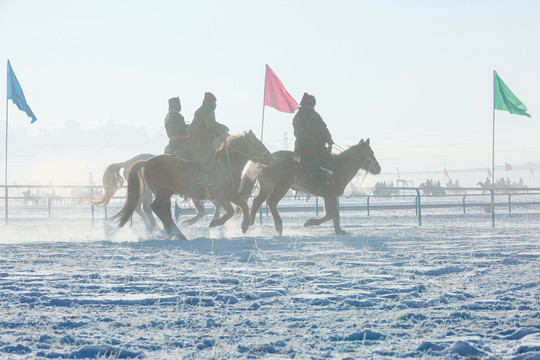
(232, 139)
(351, 152)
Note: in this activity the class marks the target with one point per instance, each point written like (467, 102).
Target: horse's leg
(273, 200)
(149, 219)
(265, 190)
(217, 209)
(199, 205)
(331, 212)
(329, 204)
(238, 200)
(162, 207)
(229, 212)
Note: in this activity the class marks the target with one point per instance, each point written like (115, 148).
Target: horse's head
(363, 152)
(249, 146)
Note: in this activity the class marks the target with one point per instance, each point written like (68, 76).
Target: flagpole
(6, 167)
(264, 97)
(493, 160)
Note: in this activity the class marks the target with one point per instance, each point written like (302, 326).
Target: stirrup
(329, 172)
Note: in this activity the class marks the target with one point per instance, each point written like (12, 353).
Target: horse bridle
(260, 154)
(371, 162)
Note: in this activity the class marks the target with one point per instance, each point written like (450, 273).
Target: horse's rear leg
(199, 205)
(329, 205)
(265, 190)
(144, 210)
(229, 212)
(162, 208)
(330, 212)
(150, 220)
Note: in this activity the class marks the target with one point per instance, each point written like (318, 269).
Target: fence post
(92, 206)
(49, 206)
(509, 204)
(464, 204)
(105, 212)
(316, 206)
(492, 207)
(419, 207)
(176, 210)
(367, 205)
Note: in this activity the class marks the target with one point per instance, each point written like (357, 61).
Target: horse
(287, 172)
(112, 181)
(166, 175)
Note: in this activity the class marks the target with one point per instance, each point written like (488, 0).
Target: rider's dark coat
(199, 146)
(310, 131)
(312, 135)
(176, 128)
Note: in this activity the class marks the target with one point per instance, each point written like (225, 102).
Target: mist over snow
(67, 154)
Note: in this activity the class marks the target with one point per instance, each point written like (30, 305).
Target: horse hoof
(178, 236)
(244, 228)
(279, 230)
(341, 232)
(308, 222)
(213, 223)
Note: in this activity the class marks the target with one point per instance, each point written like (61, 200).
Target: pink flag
(275, 94)
(508, 166)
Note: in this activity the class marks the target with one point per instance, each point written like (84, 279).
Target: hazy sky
(414, 76)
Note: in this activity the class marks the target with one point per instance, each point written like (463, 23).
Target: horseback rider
(201, 145)
(312, 135)
(175, 126)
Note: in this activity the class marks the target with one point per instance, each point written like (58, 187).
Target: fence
(48, 198)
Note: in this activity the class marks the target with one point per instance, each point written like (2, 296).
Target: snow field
(452, 288)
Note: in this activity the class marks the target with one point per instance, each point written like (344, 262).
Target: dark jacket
(199, 146)
(175, 126)
(310, 131)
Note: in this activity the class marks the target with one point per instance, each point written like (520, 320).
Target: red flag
(446, 173)
(508, 166)
(275, 94)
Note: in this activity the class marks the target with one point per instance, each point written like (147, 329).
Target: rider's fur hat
(308, 100)
(174, 103)
(208, 96)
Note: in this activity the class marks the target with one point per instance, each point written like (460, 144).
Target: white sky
(414, 76)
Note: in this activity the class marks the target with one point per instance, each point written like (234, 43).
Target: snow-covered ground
(455, 287)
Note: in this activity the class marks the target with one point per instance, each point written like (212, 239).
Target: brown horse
(286, 172)
(166, 176)
(113, 181)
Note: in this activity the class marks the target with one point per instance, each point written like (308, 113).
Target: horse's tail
(112, 181)
(249, 177)
(134, 192)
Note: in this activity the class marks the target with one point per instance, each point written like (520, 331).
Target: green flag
(505, 98)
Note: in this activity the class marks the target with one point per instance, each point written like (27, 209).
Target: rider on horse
(312, 135)
(175, 126)
(205, 137)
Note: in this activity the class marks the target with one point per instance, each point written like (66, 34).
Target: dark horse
(166, 176)
(287, 172)
(112, 181)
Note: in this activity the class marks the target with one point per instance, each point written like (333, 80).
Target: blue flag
(16, 94)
